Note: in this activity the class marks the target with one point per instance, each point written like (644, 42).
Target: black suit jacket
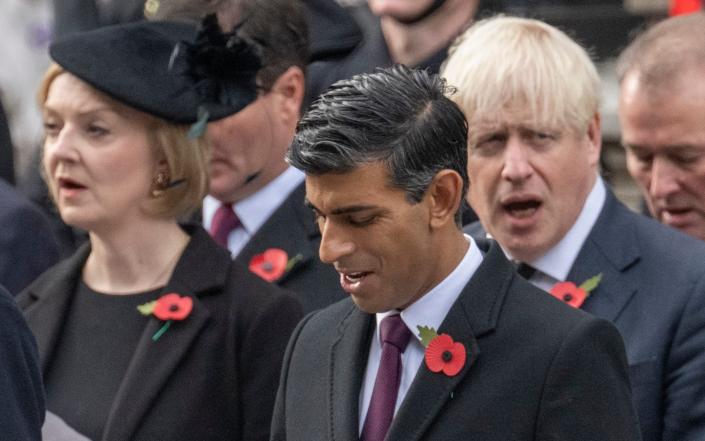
(536, 370)
(292, 227)
(212, 377)
(653, 290)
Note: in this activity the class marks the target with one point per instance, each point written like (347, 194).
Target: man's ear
(594, 139)
(445, 194)
(289, 91)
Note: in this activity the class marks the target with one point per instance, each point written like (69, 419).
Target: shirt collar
(432, 308)
(254, 210)
(558, 261)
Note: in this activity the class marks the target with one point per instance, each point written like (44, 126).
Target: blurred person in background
(417, 33)
(662, 115)
(84, 15)
(21, 389)
(27, 244)
(25, 32)
(531, 95)
(149, 331)
(255, 207)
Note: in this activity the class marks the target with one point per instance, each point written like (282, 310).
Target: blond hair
(186, 159)
(509, 64)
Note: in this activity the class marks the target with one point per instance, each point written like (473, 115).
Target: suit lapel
(291, 228)
(348, 360)
(610, 248)
(473, 315)
(51, 297)
(203, 267)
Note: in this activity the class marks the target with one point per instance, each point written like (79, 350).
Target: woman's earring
(160, 183)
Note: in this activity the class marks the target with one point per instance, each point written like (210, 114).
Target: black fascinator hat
(171, 70)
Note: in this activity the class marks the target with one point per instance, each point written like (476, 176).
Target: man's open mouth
(522, 209)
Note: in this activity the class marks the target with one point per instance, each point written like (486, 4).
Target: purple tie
(224, 221)
(395, 336)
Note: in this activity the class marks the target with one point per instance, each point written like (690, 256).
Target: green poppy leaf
(147, 308)
(591, 283)
(426, 333)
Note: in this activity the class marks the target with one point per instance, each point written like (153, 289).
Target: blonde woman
(149, 331)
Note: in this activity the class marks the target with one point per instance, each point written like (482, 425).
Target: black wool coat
(212, 376)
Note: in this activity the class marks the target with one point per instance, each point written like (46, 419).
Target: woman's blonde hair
(508, 64)
(186, 159)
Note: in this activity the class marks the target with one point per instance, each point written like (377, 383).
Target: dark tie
(526, 271)
(395, 337)
(224, 221)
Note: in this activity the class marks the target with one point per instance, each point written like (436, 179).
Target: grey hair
(666, 52)
(399, 116)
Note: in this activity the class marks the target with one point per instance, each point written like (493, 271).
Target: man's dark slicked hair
(397, 115)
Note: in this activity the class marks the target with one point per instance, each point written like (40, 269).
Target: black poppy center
(567, 297)
(173, 307)
(267, 266)
(447, 356)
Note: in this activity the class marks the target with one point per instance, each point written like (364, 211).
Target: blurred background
(27, 27)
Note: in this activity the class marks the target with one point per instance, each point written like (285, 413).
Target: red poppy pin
(442, 353)
(575, 295)
(273, 264)
(168, 308)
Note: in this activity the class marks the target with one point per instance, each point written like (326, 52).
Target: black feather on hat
(223, 65)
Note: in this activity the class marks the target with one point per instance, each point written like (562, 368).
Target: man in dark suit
(256, 200)
(661, 107)
(531, 93)
(385, 162)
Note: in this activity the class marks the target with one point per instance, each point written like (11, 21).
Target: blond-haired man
(530, 94)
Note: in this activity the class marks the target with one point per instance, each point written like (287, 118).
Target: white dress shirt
(430, 310)
(254, 210)
(554, 266)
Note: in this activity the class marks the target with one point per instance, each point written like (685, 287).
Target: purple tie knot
(394, 331)
(224, 221)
